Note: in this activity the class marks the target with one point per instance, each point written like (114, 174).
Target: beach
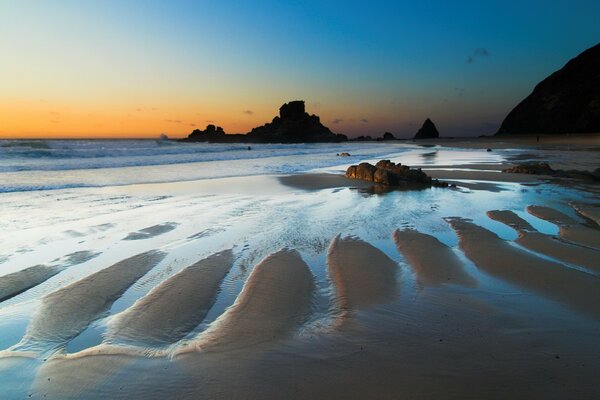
(155, 269)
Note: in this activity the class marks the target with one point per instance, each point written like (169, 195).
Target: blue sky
(364, 67)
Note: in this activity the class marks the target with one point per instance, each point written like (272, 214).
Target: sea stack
(427, 131)
(294, 125)
(568, 101)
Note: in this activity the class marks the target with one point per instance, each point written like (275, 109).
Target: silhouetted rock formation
(388, 173)
(388, 136)
(427, 131)
(568, 101)
(294, 125)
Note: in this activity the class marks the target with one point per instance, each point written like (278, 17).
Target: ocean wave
(34, 144)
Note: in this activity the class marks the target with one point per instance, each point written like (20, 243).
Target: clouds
(337, 121)
(364, 120)
(248, 112)
(478, 53)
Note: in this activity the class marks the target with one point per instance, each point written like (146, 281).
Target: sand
(274, 301)
(151, 231)
(20, 281)
(571, 287)
(318, 181)
(66, 312)
(569, 229)
(547, 245)
(175, 307)
(589, 211)
(433, 262)
(362, 274)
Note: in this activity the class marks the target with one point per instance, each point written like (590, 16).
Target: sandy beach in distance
(239, 279)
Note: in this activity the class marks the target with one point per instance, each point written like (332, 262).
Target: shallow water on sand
(374, 326)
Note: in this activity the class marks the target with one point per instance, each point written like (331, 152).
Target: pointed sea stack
(294, 125)
(427, 131)
(568, 101)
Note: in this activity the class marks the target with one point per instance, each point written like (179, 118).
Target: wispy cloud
(459, 91)
(479, 52)
(364, 120)
(337, 121)
(248, 112)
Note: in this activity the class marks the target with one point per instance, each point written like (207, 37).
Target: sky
(126, 68)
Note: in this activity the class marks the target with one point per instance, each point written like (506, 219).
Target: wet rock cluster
(388, 173)
(543, 168)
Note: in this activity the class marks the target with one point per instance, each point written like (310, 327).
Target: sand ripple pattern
(20, 281)
(570, 229)
(275, 300)
(151, 231)
(66, 312)
(433, 262)
(497, 257)
(363, 275)
(175, 307)
(547, 245)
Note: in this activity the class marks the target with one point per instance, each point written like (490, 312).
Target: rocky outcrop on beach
(543, 168)
(568, 101)
(427, 131)
(388, 173)
(294, 125)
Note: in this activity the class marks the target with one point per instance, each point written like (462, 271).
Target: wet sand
(433, 262)
(175, 307)
(66, 312)
(275, 299)
(363, 275)
(547, 245)
(522, 324)
(570, 229)
(571, 287)
(589, 211)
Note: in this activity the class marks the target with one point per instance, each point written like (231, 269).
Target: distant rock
(388, 173)
(212, 133)
(344, 154)
(388, 136)
(427, 131)
(536, 168)
(568, 101)
(542, 168)
(294, 125)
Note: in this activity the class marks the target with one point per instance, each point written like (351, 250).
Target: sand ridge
(547, 245)
(569, 229)
(18, 282)
(433, 262)
(66, 312)
(589, 211)
(175, 307)
(497, 257)
(275, 299)
(362, 274)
